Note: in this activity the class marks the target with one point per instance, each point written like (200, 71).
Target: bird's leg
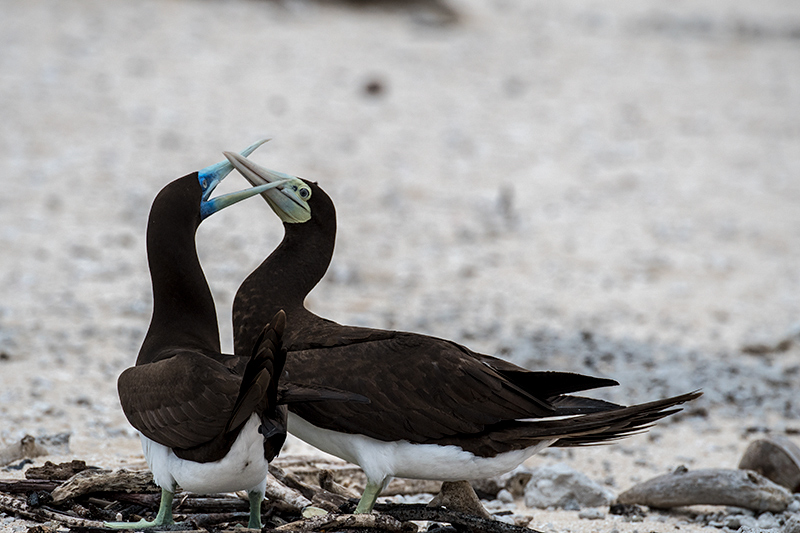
(371, 492)
(255, 497)
(163, 518)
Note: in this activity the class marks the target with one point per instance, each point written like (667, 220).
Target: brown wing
(427, 389)
(180, 402)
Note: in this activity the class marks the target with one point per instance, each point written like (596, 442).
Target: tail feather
(571, 427)
(613, 424)
(259, 382)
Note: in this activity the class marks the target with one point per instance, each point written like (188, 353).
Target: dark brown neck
(286, 277)
(184, 314)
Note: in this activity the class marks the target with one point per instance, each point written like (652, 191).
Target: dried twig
(277, 491)
(350, 521)
(19, 507)
(318, 496)
(476, 524)
(27, 485)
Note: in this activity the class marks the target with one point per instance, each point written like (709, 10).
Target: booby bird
(208, 422)
(438, 410)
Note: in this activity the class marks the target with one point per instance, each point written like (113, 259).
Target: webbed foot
(163, 518)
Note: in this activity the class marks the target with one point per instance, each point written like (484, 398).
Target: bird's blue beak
(211, 176)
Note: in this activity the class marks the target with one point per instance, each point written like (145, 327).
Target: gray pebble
(794, 507)
(592, 513)
(737, 521)
(505, 518)
(767, 521)
(505, 496)
(633, 518)
(792, 525)
(563, 487)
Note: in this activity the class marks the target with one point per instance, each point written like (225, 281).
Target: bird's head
(289, 196)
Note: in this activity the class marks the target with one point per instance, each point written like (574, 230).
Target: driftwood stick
(210, 519)
(90, 481)
(738, 488)
(291, 481)
(19, 507)
(27, 485)
(327, 482)
(288, 492)
(146, 499)
(476, 524)
(319, 497)
(350, 521)
(460, 496)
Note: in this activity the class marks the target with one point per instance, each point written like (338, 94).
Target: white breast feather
(243, 468)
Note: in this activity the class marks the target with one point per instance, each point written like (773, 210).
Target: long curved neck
(282, 281)
(184, 314)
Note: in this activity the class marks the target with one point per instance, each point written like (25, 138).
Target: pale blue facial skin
(211, 176)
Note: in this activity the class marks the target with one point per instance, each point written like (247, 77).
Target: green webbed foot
(370, 495)
(255, 497)
(141, 524)
(163, 518)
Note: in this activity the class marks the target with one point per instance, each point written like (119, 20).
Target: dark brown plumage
(422, 390)
(183, 393)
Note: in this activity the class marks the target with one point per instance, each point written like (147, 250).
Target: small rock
(794, 507)
(505, 518)
(522, 520)
(767, 521)
(792, 525)
(486, 489)
(516, 480)
(776, 458)
(738, 521)
(563, 487)
(626, 509)
(593, 513)
(506, 497)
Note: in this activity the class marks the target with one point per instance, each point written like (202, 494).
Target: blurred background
(603, 187)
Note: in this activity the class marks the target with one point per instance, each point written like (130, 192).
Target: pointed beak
(288, 200)
(211, 176)
(209, 207)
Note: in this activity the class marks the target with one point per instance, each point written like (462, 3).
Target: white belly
(243, 468)
(380, 459)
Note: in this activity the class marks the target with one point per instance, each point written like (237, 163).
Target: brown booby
(438, 410)
(208, 422)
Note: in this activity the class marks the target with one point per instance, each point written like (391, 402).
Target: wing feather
(182, 401)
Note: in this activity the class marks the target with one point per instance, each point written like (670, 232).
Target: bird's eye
(304, 193)
(204, 183)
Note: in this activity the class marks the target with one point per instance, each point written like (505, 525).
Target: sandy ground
(600, 187)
